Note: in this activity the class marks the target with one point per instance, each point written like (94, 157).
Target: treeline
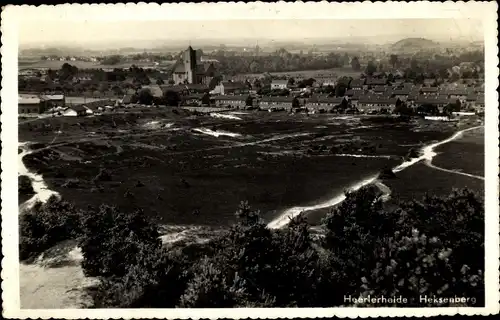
(432, 247)
(277, 62)
(73, 81)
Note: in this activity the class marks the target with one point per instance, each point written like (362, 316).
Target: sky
(90, 24)
(60, 31)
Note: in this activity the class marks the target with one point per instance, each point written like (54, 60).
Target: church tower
(189, 60)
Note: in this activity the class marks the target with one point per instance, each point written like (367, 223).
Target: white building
(279, 84)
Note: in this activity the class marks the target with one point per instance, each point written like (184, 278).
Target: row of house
(366, 103)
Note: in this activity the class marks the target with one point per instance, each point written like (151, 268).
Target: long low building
(232, 101)
(30, 105)
(272, 102)
(323, 102)
(375, 103)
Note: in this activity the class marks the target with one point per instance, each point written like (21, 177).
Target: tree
(371, 68)
(340, 89)
(394, 60)
(145, 96)
(291, 81)
(295, 103)
(205, 100)
(402, 109)
(172, 98)
(249, 101)
(356, 66)
(111, 60)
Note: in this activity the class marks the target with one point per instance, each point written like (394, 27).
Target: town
(194, 81)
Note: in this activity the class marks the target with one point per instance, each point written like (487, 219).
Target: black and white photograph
(201, 162)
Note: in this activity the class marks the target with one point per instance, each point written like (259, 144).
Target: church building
(191, 70)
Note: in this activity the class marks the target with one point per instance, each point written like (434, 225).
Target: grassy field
(465, 154)
(157, 162)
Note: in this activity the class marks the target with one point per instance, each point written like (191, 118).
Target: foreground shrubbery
(431, 247)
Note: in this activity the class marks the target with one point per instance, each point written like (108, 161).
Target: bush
(112, 240)
(24, 186)
(407, 252)
(413, 265)
(408, 262)
(45, 225)
(412, 154)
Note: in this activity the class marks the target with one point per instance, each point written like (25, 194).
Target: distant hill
(413, 44)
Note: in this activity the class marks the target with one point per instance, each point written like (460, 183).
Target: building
(231, 88)
(197, 88)
(375, 82)
(375, 103)
(279, 84)
(75, 111)
(273, 102)
(323, 102)
(436, 100)
(53, 100)
(401, 93)
(192, 99)
(233, 101)
(357, 84)
(191, 70)
(30, 105)
(155, 90)
(429, 90)
(380, 89)
(181, 89)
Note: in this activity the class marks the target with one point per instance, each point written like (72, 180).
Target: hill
(413, 44)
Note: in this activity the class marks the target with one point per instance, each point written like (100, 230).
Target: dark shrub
(412, 154)
(24, 185)
(112, 239)
(386, 173)
(45, 225)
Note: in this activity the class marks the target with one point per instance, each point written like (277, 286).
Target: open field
(56, 64)
(465, 154)
(196, 169)
(461, 156)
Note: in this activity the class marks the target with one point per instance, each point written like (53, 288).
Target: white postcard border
(486, 11)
